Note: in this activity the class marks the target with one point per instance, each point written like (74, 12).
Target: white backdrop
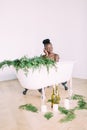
(25, 23)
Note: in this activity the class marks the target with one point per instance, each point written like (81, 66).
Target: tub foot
(64, 84)
(25, 91)
(40, 90)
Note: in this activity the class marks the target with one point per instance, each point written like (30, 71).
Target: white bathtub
(42, 78)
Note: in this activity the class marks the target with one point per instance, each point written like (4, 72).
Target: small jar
(67, 103)
(55, 107)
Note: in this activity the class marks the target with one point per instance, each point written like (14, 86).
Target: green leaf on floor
(69, 117)
(77, 97)
(82, 104)
(63, 110)
(48, 115)
(69, 114)
(29, 107)
(49, 100)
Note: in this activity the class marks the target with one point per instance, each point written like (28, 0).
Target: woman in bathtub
(48, 50)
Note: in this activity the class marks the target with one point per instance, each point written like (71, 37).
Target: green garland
(25, 63)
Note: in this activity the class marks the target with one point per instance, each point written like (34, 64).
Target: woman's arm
(57, 58)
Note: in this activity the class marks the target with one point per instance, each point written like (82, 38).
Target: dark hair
(46, 41)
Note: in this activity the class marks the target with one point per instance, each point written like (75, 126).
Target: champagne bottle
(57, 97)
(52, 97)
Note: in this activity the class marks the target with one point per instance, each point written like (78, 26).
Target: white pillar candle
(43, 108)
(55, 107)
(67, 103)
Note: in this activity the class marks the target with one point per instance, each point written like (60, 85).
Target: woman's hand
(45, 51)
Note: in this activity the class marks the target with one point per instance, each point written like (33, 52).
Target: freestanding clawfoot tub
(40, 78)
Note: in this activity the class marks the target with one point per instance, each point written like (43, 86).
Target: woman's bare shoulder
(56, 55)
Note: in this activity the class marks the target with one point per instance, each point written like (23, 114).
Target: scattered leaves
(69, 114)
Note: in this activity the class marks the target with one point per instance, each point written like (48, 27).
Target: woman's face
(49, 48)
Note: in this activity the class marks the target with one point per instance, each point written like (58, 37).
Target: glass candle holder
(67, 103)
(43, 108)
(55, 107)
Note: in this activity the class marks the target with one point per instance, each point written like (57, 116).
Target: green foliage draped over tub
(25, 63)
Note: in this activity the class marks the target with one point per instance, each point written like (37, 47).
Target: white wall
(25, 23)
